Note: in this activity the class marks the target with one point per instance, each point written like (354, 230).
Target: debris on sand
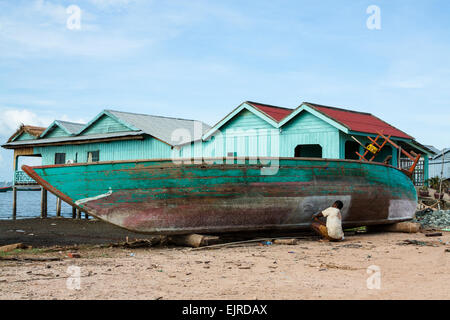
(434, 234)
(416, 243)
(141, 243)
(37, 259)
(351, 245)
(433, 219)
(11, 247)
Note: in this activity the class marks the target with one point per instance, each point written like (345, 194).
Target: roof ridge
(151, 115)
(336, 108)
(64, 121)
(268, 105)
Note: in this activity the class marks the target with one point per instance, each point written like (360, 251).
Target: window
(351, 147)
(60, 158)
(308, 151)
(93, 156)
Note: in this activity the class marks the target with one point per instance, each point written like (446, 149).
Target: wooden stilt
(43, 203)
(74, 212)
(14, 213)
(58, 207)
(78, 214)
(86, 216)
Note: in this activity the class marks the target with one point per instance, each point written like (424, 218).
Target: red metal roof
(360, 121)
(276, 113)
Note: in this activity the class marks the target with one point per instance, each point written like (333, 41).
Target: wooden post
(58, 207)
(43, 203)
(14, 213)
(78, 214)
(74, 212)
(86, 216)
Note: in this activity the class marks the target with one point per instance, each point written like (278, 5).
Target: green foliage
(435, 183)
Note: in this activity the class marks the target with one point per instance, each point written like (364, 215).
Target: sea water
(29, 205)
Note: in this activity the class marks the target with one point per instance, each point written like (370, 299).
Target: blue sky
(199, 59)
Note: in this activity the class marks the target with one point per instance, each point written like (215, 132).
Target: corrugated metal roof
(162, 127)
(276, 113)
(360, 121)
(439, 155)
(73, 138)
(72, 127)
(432, 148)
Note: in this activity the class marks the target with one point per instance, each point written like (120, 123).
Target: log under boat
(163, 197)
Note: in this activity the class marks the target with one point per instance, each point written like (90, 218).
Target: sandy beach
(406, 269)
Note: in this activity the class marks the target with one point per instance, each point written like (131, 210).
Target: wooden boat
(161, 197)
(6, 189)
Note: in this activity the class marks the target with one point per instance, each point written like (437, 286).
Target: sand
(308, 270)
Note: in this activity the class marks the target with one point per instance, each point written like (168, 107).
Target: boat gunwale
(193, 160)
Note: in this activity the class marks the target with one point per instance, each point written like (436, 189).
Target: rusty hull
(161, 197)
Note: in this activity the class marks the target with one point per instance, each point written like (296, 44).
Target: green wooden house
(252, 130)
(311, 130)
(111, 135)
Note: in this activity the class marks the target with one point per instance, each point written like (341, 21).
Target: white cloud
(30, 40)
(104, 4)
(40, 28)
(12, 118)
(55, 12)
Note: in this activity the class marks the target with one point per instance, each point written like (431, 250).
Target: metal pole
(442, 172)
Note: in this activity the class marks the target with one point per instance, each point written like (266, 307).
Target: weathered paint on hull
(158, 196)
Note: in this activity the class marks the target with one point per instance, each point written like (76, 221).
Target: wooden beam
(14, 213)
(24, 151)
(43, 203)
(58, 207)
(69, 142)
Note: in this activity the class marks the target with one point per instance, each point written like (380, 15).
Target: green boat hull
(162, 197)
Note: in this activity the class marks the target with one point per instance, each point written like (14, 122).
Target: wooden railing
(21, 178)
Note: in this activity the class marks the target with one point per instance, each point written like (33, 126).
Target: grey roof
(72, 127)
(432, 148)
(439, 154)
(163, 127)
(44, 141)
